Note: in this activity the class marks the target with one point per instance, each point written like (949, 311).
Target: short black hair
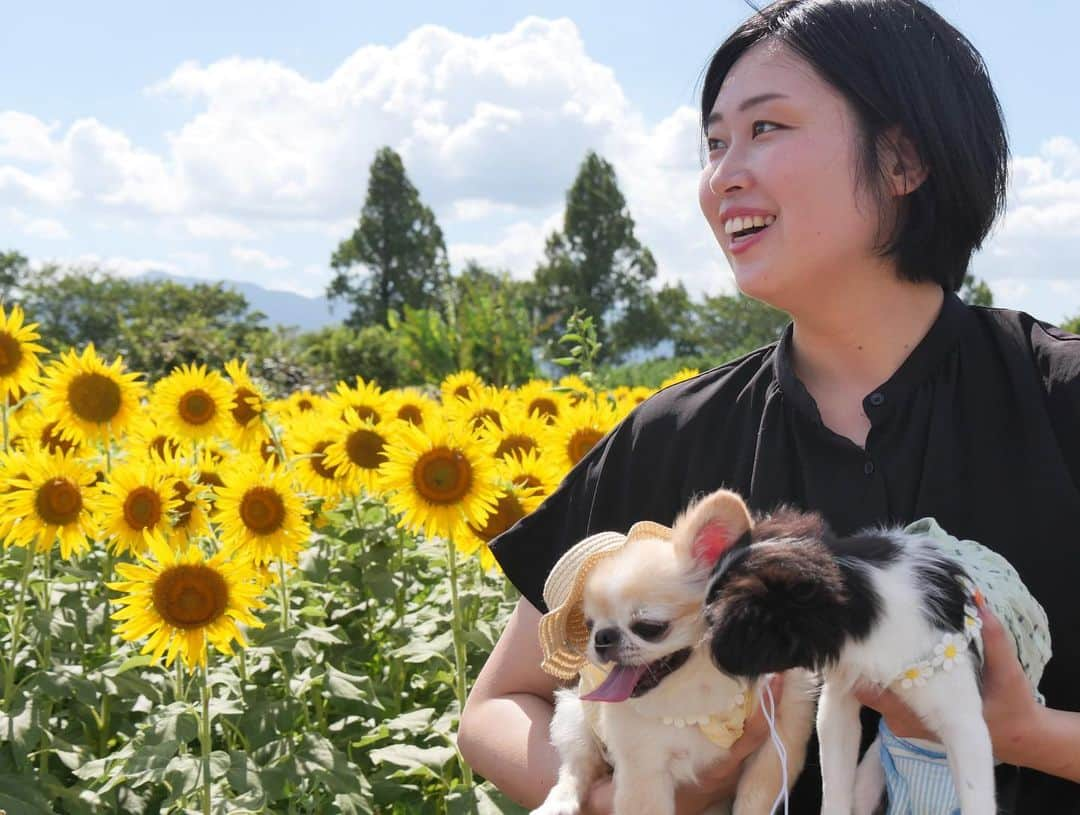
(898, 62)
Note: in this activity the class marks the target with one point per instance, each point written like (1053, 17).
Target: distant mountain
(280, 307)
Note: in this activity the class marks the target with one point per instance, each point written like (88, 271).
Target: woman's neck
(855, 342)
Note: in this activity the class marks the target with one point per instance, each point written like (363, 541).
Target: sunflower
(577, 389)
(357, 452)
(578, 430)
(147, 440)
(486, 404)
(246, 428)
(679, 376)
(18, 354)
(50, 501)
(533, 470)
(185, 602)
(441, 480)
(410, 405)
(133, 499)
(513, 504)
(366, 400)
(89, 398)
(261, 514)
(537, 397)
(297, 403)
(460, 385)
(192, 403)
(42, 432)
(308, 440)
(191, 516)
(518, 434)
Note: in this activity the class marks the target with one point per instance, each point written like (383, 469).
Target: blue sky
(232, 140)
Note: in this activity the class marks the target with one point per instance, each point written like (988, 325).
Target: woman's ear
(711, 526)
(900, 158)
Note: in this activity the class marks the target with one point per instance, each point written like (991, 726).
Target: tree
(14, 270)
(596, 263)
(157, 325)
(1072, 325)
(728, 326)
(975, 292)
(398, 246)
(483, 325)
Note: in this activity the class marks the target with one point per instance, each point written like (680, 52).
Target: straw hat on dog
(563, 634)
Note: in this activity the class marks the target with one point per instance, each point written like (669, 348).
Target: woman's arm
(1023, 732)
(504, 730)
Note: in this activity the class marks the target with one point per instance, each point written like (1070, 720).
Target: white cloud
(214, 227)
(25, 138)
(256, 257)
(519, 249)
(46, 228)
(118, 265)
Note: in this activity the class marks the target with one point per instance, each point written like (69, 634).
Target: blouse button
(868, 468)
(877, 399)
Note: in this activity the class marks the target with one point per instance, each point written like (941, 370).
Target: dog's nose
(605, 640)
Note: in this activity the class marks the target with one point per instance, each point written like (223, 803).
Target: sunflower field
(214, 601)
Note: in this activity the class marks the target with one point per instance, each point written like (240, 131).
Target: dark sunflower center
(364, 412)
(515, 445)
(58, 502)
(52, 441)
(487, 413)
(463, 391)
(528, 481)
(411, 414)
(582, 442)
(442, 476)
(507, 512)
(269, 452)
(181, 491)
(190, 596)
(11, 354)
(197, 407)
(142, 508)
(243, 412)
(544, 406)
(365, 449)
(304, 405)
(262, 510)
(318, 461)
(210, 478)
(162, 443)
(94, 397)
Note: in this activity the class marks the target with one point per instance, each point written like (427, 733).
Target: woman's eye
(648, 630)
(718, 144)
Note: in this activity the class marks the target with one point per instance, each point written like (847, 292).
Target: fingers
(998, 646)
(756, 729)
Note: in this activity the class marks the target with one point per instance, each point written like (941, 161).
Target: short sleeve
(620, 481)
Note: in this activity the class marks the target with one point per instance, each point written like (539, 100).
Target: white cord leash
(769, 711)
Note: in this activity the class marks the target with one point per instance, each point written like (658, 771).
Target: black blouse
(979, 428)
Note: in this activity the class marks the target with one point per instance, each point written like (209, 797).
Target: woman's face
(793, 157)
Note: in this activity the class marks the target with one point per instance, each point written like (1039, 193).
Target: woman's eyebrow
(716, 116)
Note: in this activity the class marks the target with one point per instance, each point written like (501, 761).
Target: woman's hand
(1009, 708)
(718, 782)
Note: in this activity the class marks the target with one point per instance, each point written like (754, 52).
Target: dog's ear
(711, 526)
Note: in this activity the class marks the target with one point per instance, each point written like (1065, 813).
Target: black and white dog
(884, 607)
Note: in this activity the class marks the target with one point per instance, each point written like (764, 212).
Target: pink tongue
(620, 683)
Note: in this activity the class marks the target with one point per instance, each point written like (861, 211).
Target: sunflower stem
(204, 735)
(284, 595)
(16, 627)
(460, 663)
(5, 405)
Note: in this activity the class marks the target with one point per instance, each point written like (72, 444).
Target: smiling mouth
(626, 681)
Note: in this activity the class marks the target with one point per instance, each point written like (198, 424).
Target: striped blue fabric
(918, 780)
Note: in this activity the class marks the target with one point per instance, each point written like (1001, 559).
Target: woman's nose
(728, 174)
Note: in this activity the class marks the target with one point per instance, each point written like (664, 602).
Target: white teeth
(741, 222)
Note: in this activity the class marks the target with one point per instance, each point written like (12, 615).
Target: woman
(866, 134)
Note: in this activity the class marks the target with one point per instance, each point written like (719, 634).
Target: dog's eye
(803, 592)
(588, 624)
(649, 630)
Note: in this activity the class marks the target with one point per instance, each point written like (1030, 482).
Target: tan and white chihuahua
(664, 713)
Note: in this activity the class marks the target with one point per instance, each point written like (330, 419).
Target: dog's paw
(559, 802)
